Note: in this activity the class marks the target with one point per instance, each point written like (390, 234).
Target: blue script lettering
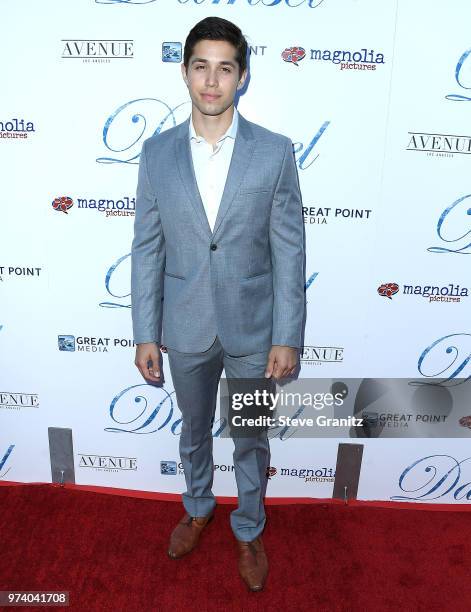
(298, 147)
(453, 365)
(459, 66)
(120, 119)
(448, 216)
(290, 3)
(107, 285)
(4, 460)
(432, 481)
(133, 112)
(158, 407)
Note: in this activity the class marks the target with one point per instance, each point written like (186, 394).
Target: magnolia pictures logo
(97, 51)
(361, 60)
(16, 128)
(313, 475)
(293, 55)
(450, 293)
(118, 207)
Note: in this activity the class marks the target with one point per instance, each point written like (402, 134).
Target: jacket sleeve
(147, 261)
(287, 255)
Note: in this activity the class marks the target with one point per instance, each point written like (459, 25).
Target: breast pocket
(258, 275)
(173, 275)
(246, 189)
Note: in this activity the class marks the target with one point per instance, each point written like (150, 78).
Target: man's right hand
(148, 360)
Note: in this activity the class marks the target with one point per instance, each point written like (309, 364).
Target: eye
(226, 69)
(200, 66)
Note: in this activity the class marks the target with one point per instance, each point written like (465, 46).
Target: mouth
(210, 97)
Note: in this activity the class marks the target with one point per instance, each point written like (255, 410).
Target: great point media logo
(321, 215)
(450, 228)
(172, 468)
(91, 344)
(111, 207)
(97, 51)
(437, 476)
(450, 293)
(135, 121)
(19, 271)
(239, 3)
(172, 52)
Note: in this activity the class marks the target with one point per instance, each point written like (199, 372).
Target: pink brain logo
(388, 289)
(62, 204)
(293, 55)
(465, 422)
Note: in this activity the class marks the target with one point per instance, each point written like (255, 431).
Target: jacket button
(214, 247)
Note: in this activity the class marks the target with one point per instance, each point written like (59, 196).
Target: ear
(183, 69)
(241, 82)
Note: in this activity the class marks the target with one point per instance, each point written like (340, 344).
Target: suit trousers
(196, 378)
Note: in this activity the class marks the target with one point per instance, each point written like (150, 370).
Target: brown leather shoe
(186, 535)
(253, 563)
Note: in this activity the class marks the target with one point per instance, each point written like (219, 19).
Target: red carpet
(109, 552)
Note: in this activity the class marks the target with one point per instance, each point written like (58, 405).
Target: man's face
(213, 76)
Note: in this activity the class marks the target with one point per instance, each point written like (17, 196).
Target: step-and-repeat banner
(376, 97)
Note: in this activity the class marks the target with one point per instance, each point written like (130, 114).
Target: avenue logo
(97, 51)
(439, 145)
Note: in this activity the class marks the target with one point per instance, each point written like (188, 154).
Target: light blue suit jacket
(244, 281)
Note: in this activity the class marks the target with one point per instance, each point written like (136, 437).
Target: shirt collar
(231, 130)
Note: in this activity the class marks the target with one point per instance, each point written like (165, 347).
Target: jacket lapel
(187, 173)
(241, 157)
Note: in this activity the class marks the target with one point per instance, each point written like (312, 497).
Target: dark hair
(217, 28)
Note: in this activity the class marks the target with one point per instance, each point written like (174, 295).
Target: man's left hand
(282, 361)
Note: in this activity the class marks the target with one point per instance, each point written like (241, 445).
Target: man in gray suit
(217, 276)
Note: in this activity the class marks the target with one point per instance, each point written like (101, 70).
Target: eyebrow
(205, 61)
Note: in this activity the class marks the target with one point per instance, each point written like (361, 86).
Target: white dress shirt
(211, 166)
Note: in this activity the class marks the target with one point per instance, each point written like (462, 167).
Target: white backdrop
(384, 196)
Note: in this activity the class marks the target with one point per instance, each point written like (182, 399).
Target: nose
(211, 78)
